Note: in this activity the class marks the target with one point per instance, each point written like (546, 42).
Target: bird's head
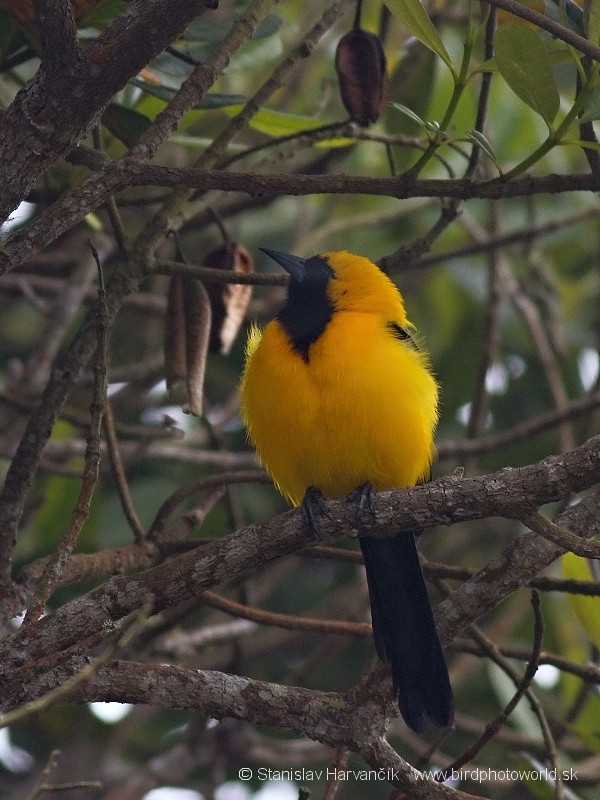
(340, 280)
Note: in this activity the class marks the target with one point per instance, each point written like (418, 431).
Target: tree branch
(547, 24)
(58, 33)
(71, 209)
(328, 717)
(63, 100)
(506, 493)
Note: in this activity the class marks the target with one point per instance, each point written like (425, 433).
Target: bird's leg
(363, 496)
(314, 508)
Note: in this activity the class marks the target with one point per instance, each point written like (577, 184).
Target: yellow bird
(335, 397)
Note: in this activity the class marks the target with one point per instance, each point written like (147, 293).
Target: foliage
(145, 544)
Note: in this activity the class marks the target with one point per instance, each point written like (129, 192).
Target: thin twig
(492, 728)
(502, 241)
(163, 267)
(172, 213)
(186, 643)
(484, 92)
(561, 536)
(491, 339)
(546, 354)
(546, 23)
(111, 205)
(342, 754)
(50, 765)
(91, 469)
(495, 655)
(185, 492)
(287, 621)
(118, 471)
(67, 211)
(574, 410)
(169, 451)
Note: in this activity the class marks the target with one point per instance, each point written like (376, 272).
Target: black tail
(404, 630)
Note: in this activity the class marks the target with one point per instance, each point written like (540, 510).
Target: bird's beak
(295, 265)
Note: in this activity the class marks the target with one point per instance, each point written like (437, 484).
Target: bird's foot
(314, 508)
(364, 497)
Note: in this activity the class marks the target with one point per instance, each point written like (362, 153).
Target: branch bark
(64, 99)
(68, 211)
(328, 717)
(58, 33)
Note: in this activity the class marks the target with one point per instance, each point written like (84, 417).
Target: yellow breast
(363, 408)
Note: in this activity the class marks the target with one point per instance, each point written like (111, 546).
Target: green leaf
(592, 108)
(270, 25)
(201, 142)
(558, 53)
(414, 17)
(481, 141)
(212, 100)
(586, 608)
(336, 142)
(276, 123)
(408, 112)
(213, 30)
(125, 123)
(411, 84)
(105, 13)
(524, 64)
(572, 16)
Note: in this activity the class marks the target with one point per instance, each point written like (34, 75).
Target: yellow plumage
(335, 395)
(364, 407)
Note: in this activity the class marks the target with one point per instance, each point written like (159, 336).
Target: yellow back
(362, 407)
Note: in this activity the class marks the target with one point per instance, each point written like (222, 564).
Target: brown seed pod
(228, 301)
(196, 305)
(360, 65)
(187, 332)
(174, 344)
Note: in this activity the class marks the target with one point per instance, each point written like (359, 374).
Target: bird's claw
(314, 508)
(364, 497)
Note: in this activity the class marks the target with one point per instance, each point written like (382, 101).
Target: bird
(337, 399)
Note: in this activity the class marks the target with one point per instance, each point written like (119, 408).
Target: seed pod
(187, 331)
(228, 301)
(360, 65)
(196, 306)
(174, 344)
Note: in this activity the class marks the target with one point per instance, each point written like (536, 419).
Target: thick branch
(53, 111)
(324, 716)
(58, 34)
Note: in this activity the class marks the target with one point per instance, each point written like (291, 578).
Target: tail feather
(404, 630)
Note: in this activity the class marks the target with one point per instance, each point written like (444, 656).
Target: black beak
(295, 265)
